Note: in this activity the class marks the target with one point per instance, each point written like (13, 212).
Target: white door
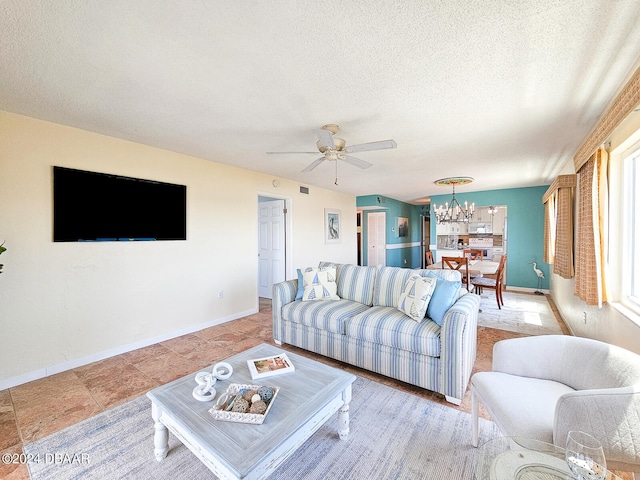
(271, 240)
(377, 238)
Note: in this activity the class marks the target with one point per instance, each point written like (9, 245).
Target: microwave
(480, 228)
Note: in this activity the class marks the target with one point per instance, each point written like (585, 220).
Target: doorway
(272, 243)
(426, 237)
(377, 238)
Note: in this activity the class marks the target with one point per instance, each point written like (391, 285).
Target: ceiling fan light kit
(338, 143)
(334, 149)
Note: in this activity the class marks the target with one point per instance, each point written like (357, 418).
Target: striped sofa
(364, 328)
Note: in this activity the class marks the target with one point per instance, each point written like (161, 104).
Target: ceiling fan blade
(364, 147)
(314, 164)
(284, 153)
(357, 162)
(326, 138)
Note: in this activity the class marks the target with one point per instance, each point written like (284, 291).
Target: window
(623, 252)
(631, 231)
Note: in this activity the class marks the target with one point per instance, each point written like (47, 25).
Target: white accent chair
(542, 387)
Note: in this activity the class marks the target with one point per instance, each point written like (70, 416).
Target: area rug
(521, 313)
(394, 434)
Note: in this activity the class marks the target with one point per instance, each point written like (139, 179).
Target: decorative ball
(258, 407)
(240, 405)
(256, 398)
(248, 395)
(266, 393)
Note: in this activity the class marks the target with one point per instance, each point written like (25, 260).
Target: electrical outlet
(220, 294)
(584, 317)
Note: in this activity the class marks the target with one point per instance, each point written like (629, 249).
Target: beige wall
(65, 304)
(607, 324)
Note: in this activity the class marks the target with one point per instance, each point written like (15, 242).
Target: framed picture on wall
(403, 227)
(332, 226)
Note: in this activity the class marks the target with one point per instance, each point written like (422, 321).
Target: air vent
(304, 190)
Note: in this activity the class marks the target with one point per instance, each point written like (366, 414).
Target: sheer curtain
(590, 283)
(550, 215)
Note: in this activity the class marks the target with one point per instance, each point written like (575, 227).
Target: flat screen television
(92, 206)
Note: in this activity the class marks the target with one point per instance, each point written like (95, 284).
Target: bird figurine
(540, 275)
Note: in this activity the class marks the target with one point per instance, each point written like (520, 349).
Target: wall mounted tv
(91, 206)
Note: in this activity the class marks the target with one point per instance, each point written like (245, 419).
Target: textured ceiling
(504, 91)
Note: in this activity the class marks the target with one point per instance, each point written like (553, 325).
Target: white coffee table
(307, 398)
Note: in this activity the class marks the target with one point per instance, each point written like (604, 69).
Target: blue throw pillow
(443, 297)
(300, 286)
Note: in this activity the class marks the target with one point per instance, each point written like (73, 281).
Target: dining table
(476, 267)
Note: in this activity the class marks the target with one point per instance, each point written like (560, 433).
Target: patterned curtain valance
(562, 181)
(622, 106)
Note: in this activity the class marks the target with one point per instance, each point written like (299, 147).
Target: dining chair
(461, 264)
(481, 283)
(473, 254)
(429, 258)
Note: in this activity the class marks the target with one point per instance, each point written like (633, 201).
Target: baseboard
(112, 352)
(509, 288)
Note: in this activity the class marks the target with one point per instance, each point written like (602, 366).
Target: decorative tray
(240, 403)
(529, 464)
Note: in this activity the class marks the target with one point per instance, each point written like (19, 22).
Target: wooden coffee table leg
(161, 437)
(343, 414)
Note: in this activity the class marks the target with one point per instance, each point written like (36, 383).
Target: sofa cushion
(320, 284)
(443, 297)
(389, 284)
(388, 326)
(416, 295)
(356, 283)
(330, 316)
(443, 274)
(520, 406)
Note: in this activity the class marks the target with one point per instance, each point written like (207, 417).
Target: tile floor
(36, 409)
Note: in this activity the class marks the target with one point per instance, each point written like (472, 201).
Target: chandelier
(453, 212)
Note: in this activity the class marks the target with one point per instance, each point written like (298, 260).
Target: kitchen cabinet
(498, 221)
(497, 253)
(452, 229)
(459, 228)
(481, 215)
(442, 229)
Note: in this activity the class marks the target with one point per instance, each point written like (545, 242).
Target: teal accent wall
(401, 251)
(525, 229)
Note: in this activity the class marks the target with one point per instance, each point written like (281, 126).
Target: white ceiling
(504, 91)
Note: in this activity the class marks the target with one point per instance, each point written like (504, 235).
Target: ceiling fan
(334, 149)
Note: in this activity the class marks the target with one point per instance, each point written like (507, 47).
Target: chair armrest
(458, 345)
(612, 415)
(282, 293)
